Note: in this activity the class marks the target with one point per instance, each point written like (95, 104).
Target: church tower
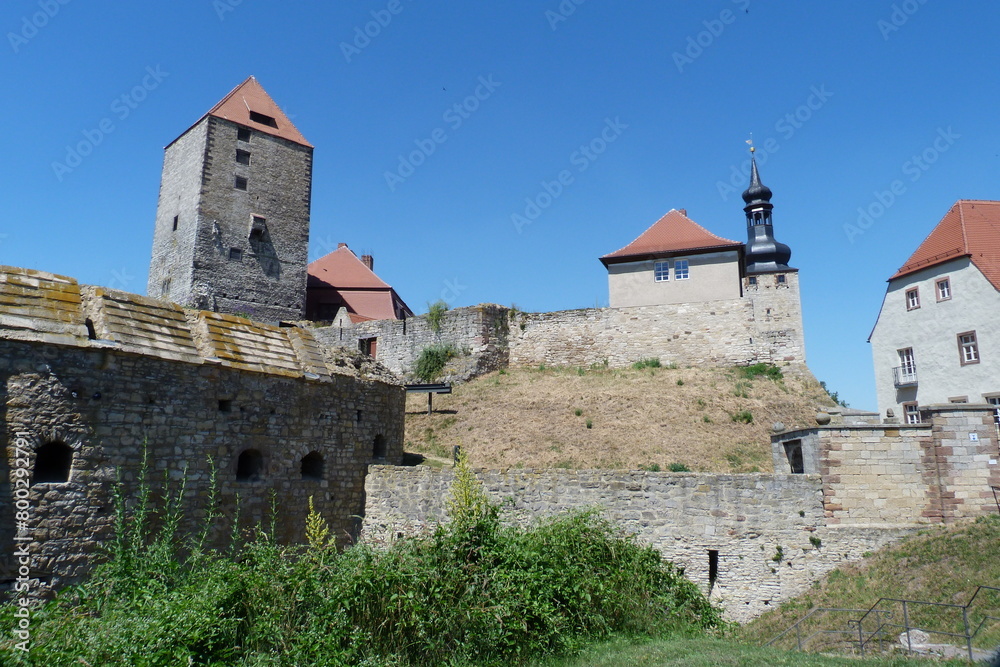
(770, 283)
(232, 221)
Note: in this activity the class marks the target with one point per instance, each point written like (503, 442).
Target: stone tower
(232, 222)
(771, 285)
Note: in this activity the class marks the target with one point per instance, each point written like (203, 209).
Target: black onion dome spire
(763, 253)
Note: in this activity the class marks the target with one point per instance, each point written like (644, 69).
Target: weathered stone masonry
(106, 373)
(742, 519)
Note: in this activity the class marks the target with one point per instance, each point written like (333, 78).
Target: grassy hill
(943, 565)
(708, 419)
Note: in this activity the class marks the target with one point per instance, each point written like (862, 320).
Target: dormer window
(263, 119)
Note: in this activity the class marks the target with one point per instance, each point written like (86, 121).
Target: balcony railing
(904, 376)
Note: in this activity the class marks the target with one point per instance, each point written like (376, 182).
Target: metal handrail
(883, 625)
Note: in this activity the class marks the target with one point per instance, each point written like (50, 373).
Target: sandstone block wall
(769, 533)
(892, 474)
(108, 374)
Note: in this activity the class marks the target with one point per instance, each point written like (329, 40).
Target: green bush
(769, 371)
(432, 361)
(652, 362)
(473, 591)
(678, 467)
(745, 417)
(435, 314)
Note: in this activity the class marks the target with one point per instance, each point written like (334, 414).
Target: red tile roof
(674, 232)
(342, 269)
(249, 97)
(971, 228)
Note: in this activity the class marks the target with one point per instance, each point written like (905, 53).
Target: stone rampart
(91, 378)
(750, 541)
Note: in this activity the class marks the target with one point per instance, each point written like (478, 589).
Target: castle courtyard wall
(116, 377)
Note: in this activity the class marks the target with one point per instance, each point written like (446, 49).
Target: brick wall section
(745, 518)
(189, 385)
(892, 474)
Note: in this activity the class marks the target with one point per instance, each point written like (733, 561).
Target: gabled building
(676, 260)
(232, 221)
(341, 283)
(937, 337)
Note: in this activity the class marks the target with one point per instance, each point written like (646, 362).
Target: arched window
(312, 466)
(379, 449)
(53, 461)
(250, 465)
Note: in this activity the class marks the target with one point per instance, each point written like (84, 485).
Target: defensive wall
(92, 378)
(751, 541)
(725, 332)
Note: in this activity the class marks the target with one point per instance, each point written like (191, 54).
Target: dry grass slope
(621, 419)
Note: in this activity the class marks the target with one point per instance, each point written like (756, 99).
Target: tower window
(240, 183)
(752, 280)
(242, 157)
(713, 568)
(312, 466)
(781, 278)
(176, 220)
(661, 272)
(243, 134)
(235, 255)
(53, 461)
(379, 447)
(681, 270)
(263, 119)
(249, 465)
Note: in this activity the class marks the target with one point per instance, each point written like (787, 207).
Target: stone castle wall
(747, 520)
(727, 332)
(109, 375)
(884, 474)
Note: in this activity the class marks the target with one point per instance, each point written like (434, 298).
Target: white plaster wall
(932, 331)
(713, 277)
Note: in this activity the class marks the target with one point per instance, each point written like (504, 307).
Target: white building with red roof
(937, 337)
(658, 266)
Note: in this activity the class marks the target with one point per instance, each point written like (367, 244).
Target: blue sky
(843, 99)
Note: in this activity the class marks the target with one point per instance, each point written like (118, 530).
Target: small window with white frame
(682, 270)
(911, 413)
(912, 299)
(968, 348)
(994, 400)
(661, 272)
(943, 287)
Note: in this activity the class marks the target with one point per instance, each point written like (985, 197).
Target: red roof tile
(249, 97)
(674, 232)
(342, 269)
(971, 228)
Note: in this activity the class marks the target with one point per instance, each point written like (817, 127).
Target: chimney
(368, 261)
(683, 211)
(341, 245)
